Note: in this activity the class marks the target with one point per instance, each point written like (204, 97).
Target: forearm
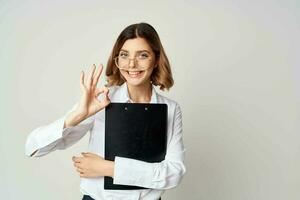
(73, 119)
(159, 175)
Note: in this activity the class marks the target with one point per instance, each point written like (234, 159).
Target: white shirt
(157, 176)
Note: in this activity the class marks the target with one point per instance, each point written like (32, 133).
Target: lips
(135, 74)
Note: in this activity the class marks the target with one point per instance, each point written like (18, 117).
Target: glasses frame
(135, 62)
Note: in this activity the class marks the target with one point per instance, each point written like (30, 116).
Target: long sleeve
(160, 175)
(48, 138)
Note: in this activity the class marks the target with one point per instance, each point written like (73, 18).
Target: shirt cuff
(129, 171)
(43, 136)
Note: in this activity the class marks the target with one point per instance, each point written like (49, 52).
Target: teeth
(134, 73)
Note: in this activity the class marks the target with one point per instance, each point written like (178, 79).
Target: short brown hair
(161, 75)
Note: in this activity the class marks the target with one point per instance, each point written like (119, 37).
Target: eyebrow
(136, 51)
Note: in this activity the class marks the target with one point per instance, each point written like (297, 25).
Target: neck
(141, 93)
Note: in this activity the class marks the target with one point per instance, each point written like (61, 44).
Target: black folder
(137, 131)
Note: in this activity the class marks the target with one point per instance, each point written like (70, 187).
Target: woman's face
(138, 71)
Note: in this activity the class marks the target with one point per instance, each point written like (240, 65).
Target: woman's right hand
(89, 104)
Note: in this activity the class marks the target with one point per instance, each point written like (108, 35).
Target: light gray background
(236, 78)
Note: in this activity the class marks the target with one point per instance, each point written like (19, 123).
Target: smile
(135, 74)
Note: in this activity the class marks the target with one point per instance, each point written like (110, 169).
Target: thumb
(87, 154)
(84, 154)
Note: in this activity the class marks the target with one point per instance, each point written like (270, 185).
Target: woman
(137, 63)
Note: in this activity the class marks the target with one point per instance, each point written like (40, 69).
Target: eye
(123, 55)
(143, 56)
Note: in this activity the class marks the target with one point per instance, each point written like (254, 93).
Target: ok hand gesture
(89, 104)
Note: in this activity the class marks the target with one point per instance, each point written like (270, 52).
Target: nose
(131, 64)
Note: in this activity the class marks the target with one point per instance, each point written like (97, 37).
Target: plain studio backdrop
(236, 75)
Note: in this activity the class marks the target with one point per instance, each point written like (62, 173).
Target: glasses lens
(124, 62)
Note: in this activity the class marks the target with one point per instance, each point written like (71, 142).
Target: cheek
(149, 72)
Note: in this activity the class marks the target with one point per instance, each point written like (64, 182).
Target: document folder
(137, 131)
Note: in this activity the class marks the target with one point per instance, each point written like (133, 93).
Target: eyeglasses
(141, 60)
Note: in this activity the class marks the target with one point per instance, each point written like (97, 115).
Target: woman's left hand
(93, 165)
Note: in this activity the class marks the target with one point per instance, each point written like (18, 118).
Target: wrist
(109, 169)
(73, 119)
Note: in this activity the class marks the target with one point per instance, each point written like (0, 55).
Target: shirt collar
(124, 96)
